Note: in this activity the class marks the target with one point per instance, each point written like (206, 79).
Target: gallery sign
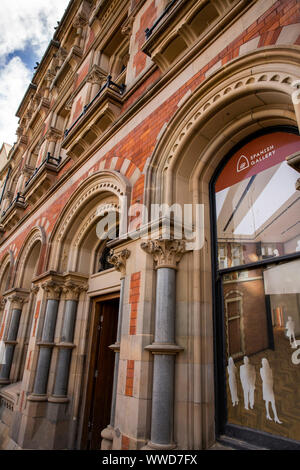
(256, 156)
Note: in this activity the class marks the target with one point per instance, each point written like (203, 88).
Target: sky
(26, 27)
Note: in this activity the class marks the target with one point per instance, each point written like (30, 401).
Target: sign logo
(242, 163)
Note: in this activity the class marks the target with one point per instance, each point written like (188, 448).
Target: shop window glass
(257, 205)
(257, 210)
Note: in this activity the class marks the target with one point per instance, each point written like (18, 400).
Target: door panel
(101, 371)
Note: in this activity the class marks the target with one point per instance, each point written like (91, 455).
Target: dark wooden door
(101, 371)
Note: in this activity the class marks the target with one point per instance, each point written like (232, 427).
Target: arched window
(256, 214)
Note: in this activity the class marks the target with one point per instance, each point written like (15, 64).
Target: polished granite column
(11, 339)
(166, 255)
(53, 292)
(71, 292)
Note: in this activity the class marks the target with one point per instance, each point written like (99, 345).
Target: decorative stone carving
(126, 28)
(119, 260)
(35, 289)
(53, 134)
(79, 21)
(71, 290)
(166, 253)
(52, 289)
(16, 301)
(96, 76)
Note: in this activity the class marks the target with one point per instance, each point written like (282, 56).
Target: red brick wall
(147, 20)
(134, 300)
(129, 379)
(36, 316)
(82, 74)
(125, 443)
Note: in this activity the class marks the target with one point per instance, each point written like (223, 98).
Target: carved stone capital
(35, 289)
(49, 75)
(52, 290)
(72, 291)
(2, 303)
(68, 104)
(19, 131)
(96, 76)
(79, 22)
(53, 134)
(118, 260)
(126, 28)
(166, 253)
(16, 301)
(27, 171)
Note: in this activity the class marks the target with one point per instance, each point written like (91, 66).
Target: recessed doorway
(101, 370)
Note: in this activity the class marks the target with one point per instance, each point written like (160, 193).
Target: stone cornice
(166, 253)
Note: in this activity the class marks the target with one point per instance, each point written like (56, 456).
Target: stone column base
(152, 446)
(37, 397)
(107, 438)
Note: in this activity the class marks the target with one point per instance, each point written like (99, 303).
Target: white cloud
(23, 24)
(28, 21)
(14, 79)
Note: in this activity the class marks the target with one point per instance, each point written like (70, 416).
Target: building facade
(146, 339)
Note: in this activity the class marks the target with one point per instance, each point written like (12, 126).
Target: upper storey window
(187, 23)
(114, 56)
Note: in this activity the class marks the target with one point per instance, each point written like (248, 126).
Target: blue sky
(26, 27)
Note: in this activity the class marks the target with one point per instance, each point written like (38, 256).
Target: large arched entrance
(257, 311)
(249, 96)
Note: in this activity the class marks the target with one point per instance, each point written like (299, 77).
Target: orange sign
(256, 156)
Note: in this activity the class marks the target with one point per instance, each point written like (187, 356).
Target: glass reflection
(262, 320)
(257, 206)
